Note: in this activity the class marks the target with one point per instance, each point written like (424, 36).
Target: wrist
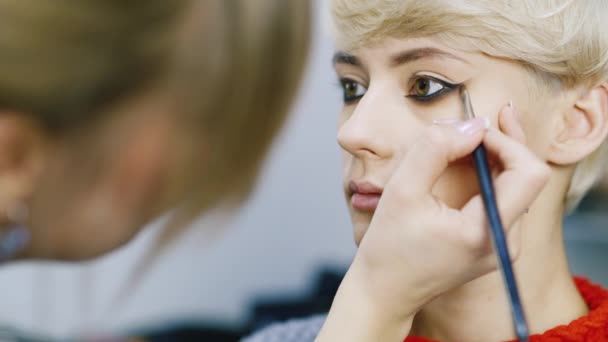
(360, 315)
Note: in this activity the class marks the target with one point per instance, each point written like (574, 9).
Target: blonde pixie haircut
(563, 42)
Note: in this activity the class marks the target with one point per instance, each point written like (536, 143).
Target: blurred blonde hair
(232, 65)
(563, 42)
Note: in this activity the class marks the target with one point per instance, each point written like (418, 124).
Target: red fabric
(590, 328)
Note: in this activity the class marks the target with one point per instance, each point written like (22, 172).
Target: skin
(94, 195)
(425, 265)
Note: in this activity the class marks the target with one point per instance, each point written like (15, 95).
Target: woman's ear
(21, 155)
(583, 128)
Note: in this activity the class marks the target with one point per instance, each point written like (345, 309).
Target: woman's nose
(366, 131)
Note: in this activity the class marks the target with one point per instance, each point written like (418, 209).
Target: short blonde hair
(565, 42)
(241, 95)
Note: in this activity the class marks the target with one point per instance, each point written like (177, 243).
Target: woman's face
(394, 89)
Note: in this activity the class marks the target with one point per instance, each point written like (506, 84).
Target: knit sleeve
(297, 330)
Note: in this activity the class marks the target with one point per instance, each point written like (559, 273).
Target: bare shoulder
(295, 330)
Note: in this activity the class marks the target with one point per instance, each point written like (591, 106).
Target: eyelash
(447, 88)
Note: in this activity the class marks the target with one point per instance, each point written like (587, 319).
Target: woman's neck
(479, 310)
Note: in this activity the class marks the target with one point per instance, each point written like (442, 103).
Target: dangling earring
(15, 236)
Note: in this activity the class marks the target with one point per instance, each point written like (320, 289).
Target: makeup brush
(486, 187)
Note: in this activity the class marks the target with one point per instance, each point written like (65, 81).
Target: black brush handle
(480, 158)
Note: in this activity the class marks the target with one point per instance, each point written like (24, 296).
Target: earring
(15, 236)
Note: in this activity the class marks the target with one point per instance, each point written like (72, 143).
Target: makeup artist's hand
(417, 247)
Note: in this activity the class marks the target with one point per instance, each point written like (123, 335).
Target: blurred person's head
(113, 111)
(400, 63)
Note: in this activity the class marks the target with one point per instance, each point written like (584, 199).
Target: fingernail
(474, 126)
(446, 121)
(515, 111)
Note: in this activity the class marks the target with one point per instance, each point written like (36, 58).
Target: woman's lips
(364, 196)
(365, 202)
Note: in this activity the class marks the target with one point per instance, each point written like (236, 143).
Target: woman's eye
(427, 88)
(352, 90)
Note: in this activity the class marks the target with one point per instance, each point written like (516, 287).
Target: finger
(517, 186)
(429, 157)
(524, 176)
(509, 123)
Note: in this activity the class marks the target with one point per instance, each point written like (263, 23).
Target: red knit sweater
(590, 328)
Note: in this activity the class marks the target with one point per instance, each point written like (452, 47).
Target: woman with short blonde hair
(537, 74)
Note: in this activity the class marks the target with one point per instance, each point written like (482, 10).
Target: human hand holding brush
(417, 247)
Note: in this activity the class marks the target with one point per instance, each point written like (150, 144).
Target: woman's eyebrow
(342, 57)
(403, 57)
(412, 55)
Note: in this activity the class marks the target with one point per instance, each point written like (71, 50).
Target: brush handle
(480, 158)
